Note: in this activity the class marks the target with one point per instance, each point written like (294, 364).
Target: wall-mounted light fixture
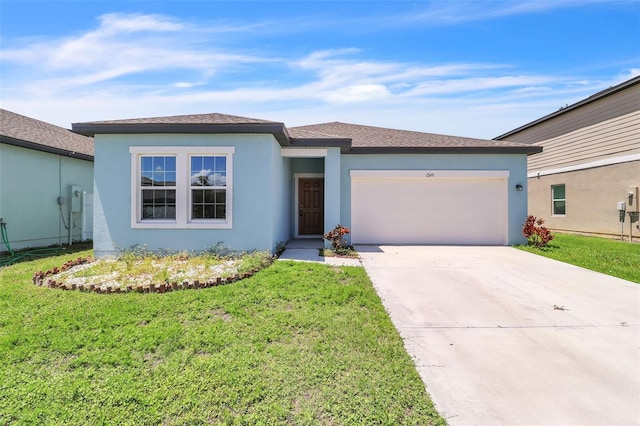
(519, 187)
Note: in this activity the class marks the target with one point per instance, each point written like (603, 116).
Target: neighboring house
(591, 161)
(189, 182)
(42, 165)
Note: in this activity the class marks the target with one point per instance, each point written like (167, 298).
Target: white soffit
(583, 166)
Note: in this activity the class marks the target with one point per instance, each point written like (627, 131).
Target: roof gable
(19, 130)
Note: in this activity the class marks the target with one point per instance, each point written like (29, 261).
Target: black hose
(5, 237)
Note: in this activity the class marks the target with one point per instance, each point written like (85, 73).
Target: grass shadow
(36, 253)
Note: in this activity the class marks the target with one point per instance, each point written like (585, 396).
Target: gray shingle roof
(195, 123)
(372, 139)
(16, 129)
(350, 138)
(213, 118)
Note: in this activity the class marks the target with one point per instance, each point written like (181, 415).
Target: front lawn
(616, 258)
(297, 343)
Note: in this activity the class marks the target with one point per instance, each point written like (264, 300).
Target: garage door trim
(430, 173)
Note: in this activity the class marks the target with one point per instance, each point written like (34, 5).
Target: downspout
(60, 195)
(70, 228)
(83, 217)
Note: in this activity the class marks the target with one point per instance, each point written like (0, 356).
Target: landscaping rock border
(41, 279)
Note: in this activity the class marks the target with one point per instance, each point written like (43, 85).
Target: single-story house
(46, 177)
(590, 163)
(189, 182)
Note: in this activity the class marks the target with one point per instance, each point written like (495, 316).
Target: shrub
(336, 236)
(536, 233)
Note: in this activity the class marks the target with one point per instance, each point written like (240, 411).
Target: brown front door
(310, 206)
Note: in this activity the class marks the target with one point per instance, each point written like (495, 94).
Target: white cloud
(357, 93)
(121, 46)
(119, 22)
(184, 85)
(471, 83)
(441, 13)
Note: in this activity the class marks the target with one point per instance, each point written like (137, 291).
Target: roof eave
(528, 150)
(343, 143)
(278, 130)
(45, 148)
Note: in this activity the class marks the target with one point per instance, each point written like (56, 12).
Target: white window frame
(553, 200)
(183, 156)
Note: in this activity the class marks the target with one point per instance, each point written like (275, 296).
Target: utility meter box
(632, 194)
(621, 210)
(75, 197)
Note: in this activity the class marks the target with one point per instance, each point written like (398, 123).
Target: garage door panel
(428, 211)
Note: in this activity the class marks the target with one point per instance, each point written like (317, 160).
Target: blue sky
(468, 68)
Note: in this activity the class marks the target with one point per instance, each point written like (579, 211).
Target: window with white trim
(558, 200)
(181, 187)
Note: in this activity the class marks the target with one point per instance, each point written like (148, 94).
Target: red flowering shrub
(336, 236)
(535, 232)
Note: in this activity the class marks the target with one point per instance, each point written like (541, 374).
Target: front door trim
(296, 177)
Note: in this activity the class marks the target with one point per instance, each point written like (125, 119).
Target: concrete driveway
(502, 336)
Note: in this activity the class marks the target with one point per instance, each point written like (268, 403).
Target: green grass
(297, 343)
(616, 258)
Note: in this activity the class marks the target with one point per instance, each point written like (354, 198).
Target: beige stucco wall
(591, 197)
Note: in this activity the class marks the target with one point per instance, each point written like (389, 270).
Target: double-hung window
(208, 187)
(181, 187)
(558, 200)
(158, 187)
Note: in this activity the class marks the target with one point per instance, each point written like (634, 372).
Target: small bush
(536, 233)
(338, 242)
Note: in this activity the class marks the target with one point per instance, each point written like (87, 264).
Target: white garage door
(429, 207)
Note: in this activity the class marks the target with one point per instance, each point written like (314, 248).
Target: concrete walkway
(501, 336)
(308, 250)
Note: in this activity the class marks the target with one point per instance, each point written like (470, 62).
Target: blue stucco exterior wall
(333, 190)
(260, 179)
(516, 164)
(281, 198)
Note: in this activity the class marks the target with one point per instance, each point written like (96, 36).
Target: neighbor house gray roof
(18, 130)
(350, 138)
(370, 139)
